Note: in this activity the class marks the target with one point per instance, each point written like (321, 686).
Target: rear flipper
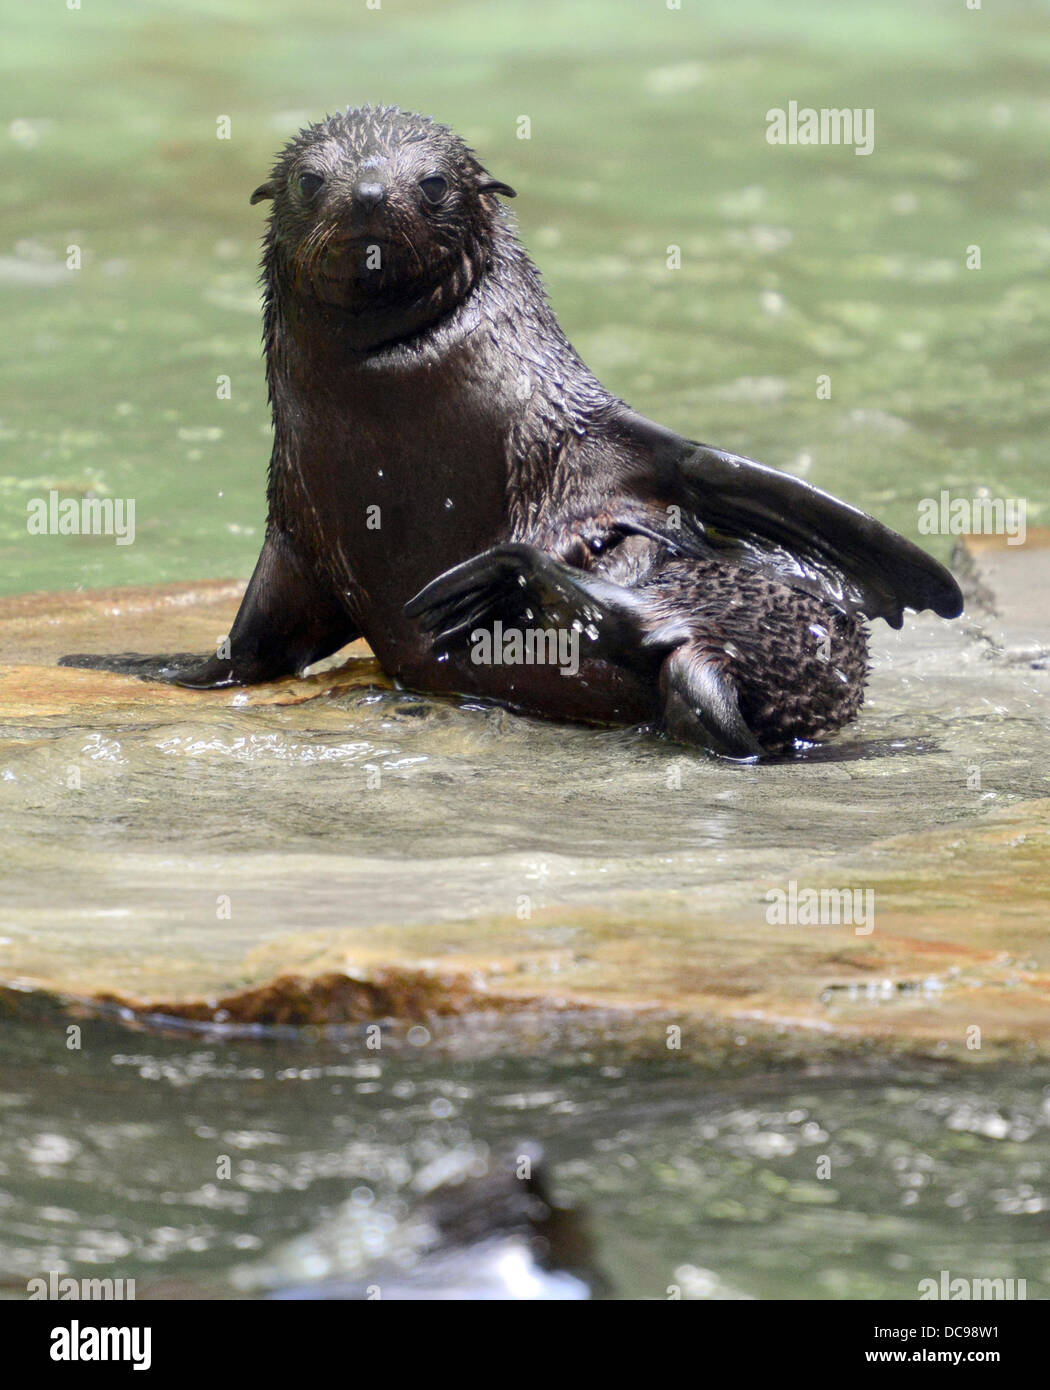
(521, 586)
(288, 619)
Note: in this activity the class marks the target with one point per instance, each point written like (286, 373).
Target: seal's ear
(486, 184)
(265, 190)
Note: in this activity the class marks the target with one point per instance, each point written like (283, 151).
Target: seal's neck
(483, 334)
(355, 323)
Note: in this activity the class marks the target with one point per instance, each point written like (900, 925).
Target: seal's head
(384, 214)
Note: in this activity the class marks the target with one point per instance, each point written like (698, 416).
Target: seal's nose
(370, 195)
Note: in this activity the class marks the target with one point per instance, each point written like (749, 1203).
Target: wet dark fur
(440, 388)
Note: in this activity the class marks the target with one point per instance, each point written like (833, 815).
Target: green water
(647, 130)
(784, 1185)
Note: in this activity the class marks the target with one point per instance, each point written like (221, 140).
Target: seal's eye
(310, 185)
(433, 189)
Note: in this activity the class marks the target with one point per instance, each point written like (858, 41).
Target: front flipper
(179, 668)
(700, 499)
(521, 586)
(288, 619)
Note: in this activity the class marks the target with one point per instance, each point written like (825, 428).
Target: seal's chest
(407, 476)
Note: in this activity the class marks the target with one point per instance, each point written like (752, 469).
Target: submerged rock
(314, 853)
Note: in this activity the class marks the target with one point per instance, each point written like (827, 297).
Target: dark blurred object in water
(496, 1236)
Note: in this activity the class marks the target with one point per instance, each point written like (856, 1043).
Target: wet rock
(304, 855)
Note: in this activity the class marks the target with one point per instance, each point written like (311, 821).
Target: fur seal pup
(445, 467)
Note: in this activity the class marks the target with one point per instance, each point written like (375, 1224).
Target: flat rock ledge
(958, 968)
